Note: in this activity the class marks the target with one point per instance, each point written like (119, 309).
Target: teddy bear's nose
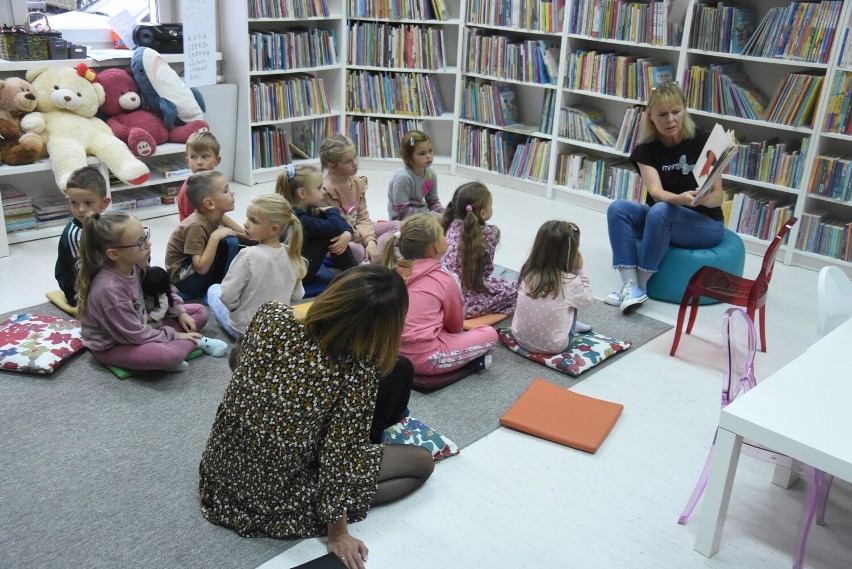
(29, 96)
(67, 98)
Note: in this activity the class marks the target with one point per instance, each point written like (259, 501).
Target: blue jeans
(219, 310)
(657, 226)
(195, 285)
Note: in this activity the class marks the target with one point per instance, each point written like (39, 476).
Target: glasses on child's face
(664, 84)
(141, 244)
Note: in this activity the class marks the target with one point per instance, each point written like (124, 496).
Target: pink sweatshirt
(434, 307)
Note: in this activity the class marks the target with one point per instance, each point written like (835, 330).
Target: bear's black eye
(79, 95)
(56, 87)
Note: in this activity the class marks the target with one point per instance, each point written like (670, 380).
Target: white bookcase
(37, 179)
(766, 73)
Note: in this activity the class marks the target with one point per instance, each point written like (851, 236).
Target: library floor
(510, 500)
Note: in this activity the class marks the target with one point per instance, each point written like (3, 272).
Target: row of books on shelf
(640, 22)
(287, 8)
(587, 124)
(487, 148)
(379, 138)
(296, 95)
(531, 159)
(721, 28)
(149, 196)
(545, 121)
(844, 55)
(613, 178)
(399, 9)
(728, 90)
(276, 146)
(487, 102)
(618, 74)
(295, 48)
(413, 94)
(531, 61)
(831, 177)
(770, 161)
(819, 233)
(802, 31)
(408, 46)
(17, 209)
(756, 212)
(838, 116)
(541, 15)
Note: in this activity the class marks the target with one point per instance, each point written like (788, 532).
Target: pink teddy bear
(140, 129)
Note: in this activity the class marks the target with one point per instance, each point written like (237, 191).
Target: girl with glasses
(670, 147)
(111, 305)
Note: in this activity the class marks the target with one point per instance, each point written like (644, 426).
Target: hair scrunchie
(291, 171)
(468, 207)
(397, 236)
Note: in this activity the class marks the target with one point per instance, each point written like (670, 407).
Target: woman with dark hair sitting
(290, 453)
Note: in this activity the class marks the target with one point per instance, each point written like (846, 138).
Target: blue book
(742, 29)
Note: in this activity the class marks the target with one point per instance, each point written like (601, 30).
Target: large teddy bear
(67, 101)
(17, 147)
(165, 93)
(142, 130)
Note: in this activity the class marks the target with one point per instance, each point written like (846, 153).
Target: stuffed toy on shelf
(16, 100)
(67, 101)
(141, 130)
(181, 108)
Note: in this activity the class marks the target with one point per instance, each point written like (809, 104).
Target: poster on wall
(199, 42)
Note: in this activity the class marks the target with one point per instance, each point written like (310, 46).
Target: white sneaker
(616, 298)
(632, 301)
(582, 327)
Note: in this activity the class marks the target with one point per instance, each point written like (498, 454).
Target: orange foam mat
(486, 320)
(557, 414)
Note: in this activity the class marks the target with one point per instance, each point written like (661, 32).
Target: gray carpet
(471, 408)
(97, 472)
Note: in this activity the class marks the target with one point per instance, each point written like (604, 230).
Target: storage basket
(26, 44)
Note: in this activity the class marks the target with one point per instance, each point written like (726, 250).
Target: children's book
(743, 29)
(508, 108)
(720, 147)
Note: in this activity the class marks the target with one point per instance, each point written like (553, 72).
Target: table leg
(718, 493)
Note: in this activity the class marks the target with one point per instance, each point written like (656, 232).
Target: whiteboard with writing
(199, 42)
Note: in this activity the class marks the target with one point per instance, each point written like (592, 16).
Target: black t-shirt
(675, 165)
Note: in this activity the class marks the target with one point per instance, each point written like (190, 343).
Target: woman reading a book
(665, 159)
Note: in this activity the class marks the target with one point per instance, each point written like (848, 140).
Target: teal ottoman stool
(669, 282)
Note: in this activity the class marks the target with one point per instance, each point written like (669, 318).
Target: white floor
(511, 500)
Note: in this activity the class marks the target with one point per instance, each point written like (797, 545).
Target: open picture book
(714, 157)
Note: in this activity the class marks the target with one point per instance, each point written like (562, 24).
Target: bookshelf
(488, 47)
(285, 58)
(401, 74)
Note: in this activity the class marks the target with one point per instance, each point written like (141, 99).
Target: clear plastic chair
(834, 299)
(740, 348)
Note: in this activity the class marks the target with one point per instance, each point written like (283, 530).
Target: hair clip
(291, 171)
(397, 235)
(411, 142)
(468, 207)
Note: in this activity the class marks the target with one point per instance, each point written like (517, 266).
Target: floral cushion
(38, 344)
(410, 431)
(587, 351)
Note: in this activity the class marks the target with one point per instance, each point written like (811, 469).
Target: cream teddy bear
(67, 100)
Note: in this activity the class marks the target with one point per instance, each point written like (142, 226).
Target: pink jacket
(434, 307)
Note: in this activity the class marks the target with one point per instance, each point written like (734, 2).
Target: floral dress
(501, 295)
(289, 451)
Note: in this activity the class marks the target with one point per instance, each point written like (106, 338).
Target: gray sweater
(409, 193)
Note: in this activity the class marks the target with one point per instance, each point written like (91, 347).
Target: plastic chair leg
(824, 487)
(699, 489)
(808, 511)
(762, 312)
(693, 313)
(681, 313)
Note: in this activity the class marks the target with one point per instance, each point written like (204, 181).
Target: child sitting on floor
(267, 271)
(346, 191)
(433, 338)
(86, 193)
(470, 254)
(552, 287)
(414, 187)
(325, 231)
(111, 305)
(201, 249)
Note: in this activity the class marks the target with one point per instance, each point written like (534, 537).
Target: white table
(802, 411)
(836, 344)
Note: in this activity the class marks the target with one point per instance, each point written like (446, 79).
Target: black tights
(404, 469)
(315, 251)
(392, 399)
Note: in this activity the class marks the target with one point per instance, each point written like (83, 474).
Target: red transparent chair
(726, 287)
(740, 347)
